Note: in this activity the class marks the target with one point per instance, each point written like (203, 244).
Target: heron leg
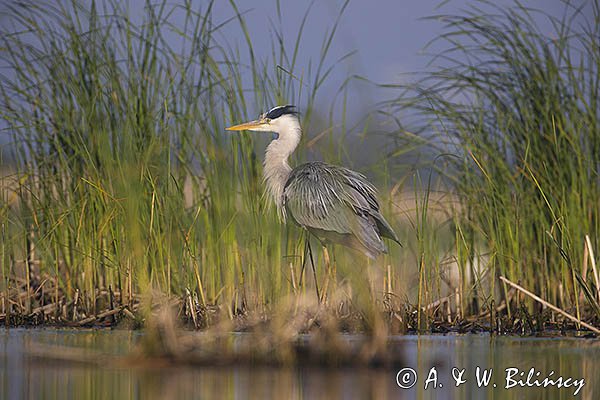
(312, 262)
(305, 254)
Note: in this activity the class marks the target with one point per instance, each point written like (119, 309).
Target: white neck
(276, 168)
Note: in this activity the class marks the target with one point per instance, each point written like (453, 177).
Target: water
(432, 357)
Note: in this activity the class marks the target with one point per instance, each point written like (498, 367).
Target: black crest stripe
(281, 110)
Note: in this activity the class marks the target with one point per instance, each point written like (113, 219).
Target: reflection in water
(25, 378)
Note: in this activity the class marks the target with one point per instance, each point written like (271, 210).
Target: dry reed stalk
(458, 305)
(327, 261)
(590, 250)
(549, 305)
(389, 279)
(29, 264)
(438, 302)
(584, 266)
(129, 284)
(75, 304)
(293, 277)
(191, 307)
(104, 314)
(129, 314)
(46, 309)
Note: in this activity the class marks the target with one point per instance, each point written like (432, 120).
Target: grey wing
(331, 199)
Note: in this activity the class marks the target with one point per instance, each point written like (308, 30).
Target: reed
(128, 194)
(514, 99)
(126, 178)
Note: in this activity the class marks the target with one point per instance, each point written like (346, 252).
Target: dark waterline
(432, 357)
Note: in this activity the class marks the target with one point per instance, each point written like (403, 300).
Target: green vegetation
(128, 190)
(127, 182)
(517, 107)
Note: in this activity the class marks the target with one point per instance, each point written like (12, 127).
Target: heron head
(275, 120)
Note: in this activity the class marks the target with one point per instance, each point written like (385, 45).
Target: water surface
(432, 359)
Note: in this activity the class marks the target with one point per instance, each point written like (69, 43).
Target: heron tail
(385, 229)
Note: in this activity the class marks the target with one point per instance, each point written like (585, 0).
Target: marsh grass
(517, 104)
(127, 184)
(129, 197)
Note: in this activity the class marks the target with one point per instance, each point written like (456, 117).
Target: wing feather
(330, 198)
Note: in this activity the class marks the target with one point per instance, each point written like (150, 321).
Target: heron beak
(248, 125)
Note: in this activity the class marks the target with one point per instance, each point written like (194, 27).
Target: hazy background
(389, 40)
(389, 36)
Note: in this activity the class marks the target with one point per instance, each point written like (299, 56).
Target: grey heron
(333, 203)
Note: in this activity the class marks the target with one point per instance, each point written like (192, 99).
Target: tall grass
(127, 186)
(126, 179)
(515, 100)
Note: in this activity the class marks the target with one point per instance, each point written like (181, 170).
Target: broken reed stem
(590, 251)
(439, 302)
(551, 306)
(104, 314)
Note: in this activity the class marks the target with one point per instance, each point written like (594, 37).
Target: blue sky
(389, 36)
